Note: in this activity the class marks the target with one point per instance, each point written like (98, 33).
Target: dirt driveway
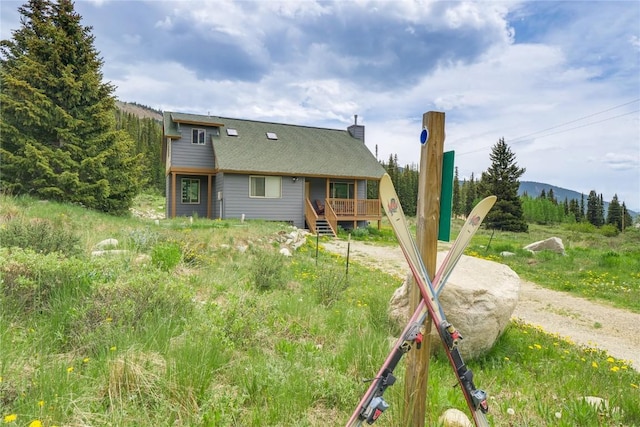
(584, 322)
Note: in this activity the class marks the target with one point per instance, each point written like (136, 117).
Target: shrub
(609, 230)
(610, 259)
(142, 240)
(267, 270)
(31, 280)
(581, 227)
(39, 235)
(166, 256)
(329, 286)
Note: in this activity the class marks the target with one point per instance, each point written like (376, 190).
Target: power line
(579, 119)
(520, 138)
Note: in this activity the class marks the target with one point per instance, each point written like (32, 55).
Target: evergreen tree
(552, 197)
(614, 213)
(456, 204)
(627, 221)
(501, 179)
(59, 139)
(470, 195)
(601, 217)
(593, 209)
(147, 134)
(583, 211)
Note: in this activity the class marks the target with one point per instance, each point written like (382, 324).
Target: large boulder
(478, 299)
(553, 244)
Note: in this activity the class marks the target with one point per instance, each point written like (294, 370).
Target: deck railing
(310, 215)
(364, 208)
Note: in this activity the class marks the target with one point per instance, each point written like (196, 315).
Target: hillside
(533, 189)
(140, 111)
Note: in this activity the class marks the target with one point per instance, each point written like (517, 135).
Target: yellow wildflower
(10, 418)
(41, 403)
(610, 359)
(594, 364)
(35, 423)
(614, 369)
(70, 369)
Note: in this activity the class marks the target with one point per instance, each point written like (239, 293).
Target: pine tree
(614, 213)
(56, 115)
(627, 221)
(456, 204)
(470, 195)
(593, 209)
(501, 179)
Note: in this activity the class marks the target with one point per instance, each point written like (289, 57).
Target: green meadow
(204, 323)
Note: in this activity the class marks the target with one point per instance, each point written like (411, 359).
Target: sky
(558, 80)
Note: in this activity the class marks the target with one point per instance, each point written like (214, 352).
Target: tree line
(511, 212)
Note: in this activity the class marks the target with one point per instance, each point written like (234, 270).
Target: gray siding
(236, 201)
(217, 210)
(317, 189)
(183, 209)
(186, 154)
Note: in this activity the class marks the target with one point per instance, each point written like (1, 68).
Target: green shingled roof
(299, 150)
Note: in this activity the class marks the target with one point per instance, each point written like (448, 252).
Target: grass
(593, 266)
(202, 323)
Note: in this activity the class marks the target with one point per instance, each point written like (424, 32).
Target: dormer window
(197, 136)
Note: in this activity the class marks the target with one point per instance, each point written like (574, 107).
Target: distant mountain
(142, 111)
(533, 189)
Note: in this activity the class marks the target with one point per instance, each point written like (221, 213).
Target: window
(197, 136)
(272, 135)
(232, 132)
(341, 190)
(268, 187)
(190, 191)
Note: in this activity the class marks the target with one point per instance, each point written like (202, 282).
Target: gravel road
(585, 322)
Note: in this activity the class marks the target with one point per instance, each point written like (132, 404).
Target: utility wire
(520, 138)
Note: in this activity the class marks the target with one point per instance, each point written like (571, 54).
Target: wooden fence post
(427, 219)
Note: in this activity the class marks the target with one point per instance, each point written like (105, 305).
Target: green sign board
(446, 197)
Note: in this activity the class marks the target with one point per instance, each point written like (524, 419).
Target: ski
(372, 404)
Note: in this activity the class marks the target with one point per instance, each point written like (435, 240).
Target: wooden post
(427, 219)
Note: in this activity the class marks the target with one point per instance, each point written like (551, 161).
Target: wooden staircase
(323, 228)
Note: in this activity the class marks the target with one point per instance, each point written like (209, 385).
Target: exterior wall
(186, 154)
(362, 189)
(317, 189)
(217, 206)
(236, 201)
(199, 209)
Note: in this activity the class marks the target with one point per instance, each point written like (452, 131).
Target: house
(311, 177)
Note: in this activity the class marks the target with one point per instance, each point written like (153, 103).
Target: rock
(111, 252)
(454, 418)
(478, 299)
(601, 405)
(553, 244)
(285, 252)
(107, 243)
(505, 254)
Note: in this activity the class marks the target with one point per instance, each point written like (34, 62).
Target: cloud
(556, 79)
(619, 161)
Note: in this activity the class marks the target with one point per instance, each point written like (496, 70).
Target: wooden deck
(338, 210)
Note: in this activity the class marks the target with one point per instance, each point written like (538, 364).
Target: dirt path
(584, 322)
